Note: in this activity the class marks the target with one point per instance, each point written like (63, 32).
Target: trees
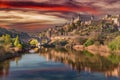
(17, 42)
(33, 42)
(7, 44)
(88, 43)
(115, 44)
(7, 39)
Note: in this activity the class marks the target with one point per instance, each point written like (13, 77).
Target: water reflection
(80, 61)
(5, 66)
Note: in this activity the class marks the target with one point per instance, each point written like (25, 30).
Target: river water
(55, 65)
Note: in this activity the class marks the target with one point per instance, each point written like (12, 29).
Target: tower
(79, 17)
(92, 17)
(72, 20)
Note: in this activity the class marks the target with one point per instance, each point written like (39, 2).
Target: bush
(19, 46)
(88, 43)
(114, 58)
(115, 44)
(17, 42)
(7, 39)
(34, 42)
(112, 46)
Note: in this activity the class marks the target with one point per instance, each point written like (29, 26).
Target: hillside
(102, 30)
(23, 36)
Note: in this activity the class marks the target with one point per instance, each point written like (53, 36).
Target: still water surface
(52, 66)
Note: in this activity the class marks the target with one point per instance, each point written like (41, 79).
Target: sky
(36, 15)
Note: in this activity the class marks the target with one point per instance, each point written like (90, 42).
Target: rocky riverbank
(102, 50)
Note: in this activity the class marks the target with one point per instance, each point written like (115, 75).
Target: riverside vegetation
(9, 46)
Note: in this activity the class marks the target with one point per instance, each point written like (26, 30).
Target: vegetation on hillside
(115, 44)
(33, 42)
(92, 32)
(88, 43)
(7, 43)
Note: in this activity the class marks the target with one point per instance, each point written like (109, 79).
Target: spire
(92, 17)
(79, 16)
(72, 19)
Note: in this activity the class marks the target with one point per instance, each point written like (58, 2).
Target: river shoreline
(8, 55)
(102, 50)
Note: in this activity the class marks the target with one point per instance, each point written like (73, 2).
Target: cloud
(29, 17)
(108, 5)
(49, 7)
(41, 14)
(24, 19)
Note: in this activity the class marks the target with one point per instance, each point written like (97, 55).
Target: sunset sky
(36, 15)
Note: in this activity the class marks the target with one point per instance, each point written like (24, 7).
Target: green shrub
(88, 42)
(7, 39)
(114, 58)
(17, 42)
(34, 42)
(19, 46)
(112, 46)
(115, 44)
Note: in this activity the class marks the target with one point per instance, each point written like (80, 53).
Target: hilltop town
(84, 31)
(86, 26)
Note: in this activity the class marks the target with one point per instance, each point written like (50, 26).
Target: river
(55, 65)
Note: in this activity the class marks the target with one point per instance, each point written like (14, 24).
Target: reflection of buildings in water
(81, 62)
(115, 72)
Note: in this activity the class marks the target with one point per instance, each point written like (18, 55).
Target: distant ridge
(14, 33)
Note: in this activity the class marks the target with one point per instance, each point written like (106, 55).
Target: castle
(112, 19)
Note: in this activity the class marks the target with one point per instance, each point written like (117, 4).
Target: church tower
(79, 17)
(92, 17)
